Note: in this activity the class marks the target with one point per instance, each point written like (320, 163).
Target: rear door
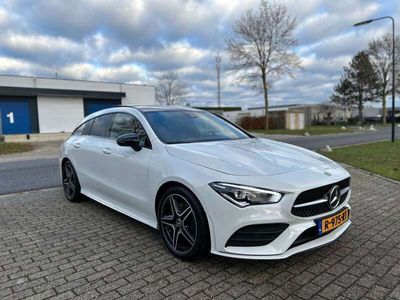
(95, 175)
(77, 151)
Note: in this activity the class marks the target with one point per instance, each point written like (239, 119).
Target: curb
(31, 191)
(16, 159)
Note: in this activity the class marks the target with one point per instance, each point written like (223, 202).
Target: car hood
(248, 157)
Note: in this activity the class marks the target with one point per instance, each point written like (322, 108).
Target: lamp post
(218, 67)
(393, 65)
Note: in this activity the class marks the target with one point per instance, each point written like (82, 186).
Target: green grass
(312, 130)
(8, 148)
(381, 158)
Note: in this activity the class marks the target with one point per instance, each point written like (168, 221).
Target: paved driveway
(51, 247)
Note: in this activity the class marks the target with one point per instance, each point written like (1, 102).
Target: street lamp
(218, 67)
(393, 59)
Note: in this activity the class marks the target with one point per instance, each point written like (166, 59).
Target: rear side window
(84, 128)
(100, 126)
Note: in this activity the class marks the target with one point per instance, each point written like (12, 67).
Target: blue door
(93, 105)
(15, 117)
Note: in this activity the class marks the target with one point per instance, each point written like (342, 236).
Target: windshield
(183, 126)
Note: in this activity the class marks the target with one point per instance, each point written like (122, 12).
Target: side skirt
(121, 209)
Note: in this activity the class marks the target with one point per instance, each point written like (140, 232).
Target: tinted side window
(84, 128)
(125, 123)
(78, 131)
(100, 126)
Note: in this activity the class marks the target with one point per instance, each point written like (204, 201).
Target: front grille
(256, 235)
(317, 194)
(311, 234)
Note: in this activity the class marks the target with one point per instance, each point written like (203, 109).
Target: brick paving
(51, 248)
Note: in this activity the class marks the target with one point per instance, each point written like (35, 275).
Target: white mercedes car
(206, 184)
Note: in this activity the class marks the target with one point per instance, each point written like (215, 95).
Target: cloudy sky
(137, 40)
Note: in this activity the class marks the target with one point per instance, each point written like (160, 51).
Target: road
(26, 175)
(36, 174)
(334, 140)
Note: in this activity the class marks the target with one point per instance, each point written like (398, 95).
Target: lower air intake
(256, 235)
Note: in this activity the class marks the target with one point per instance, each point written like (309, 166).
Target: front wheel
(183, 224)
(72, 188)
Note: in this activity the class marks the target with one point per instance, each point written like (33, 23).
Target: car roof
(141, 108)
(148, 108)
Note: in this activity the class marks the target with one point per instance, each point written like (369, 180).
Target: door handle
(76, 145)
(107, 151)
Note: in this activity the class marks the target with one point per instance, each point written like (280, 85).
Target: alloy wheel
(178, 223)
(69, 181)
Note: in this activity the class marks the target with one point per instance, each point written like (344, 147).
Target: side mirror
(130, 140)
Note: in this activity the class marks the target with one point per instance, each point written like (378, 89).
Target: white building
(49, 105)
(313, 113)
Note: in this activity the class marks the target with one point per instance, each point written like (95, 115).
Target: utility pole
(218, 66)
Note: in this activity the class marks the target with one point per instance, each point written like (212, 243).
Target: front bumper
(317, 243)
(225, 219)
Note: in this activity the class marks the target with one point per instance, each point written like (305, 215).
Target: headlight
(243, 196)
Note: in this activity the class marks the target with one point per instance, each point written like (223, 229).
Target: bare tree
(170, 89)
(260, 48)
(380, 54)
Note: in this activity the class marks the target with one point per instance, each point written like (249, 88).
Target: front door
(127, 168)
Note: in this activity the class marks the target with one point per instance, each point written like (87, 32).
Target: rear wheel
(72, 188)
(183, 224)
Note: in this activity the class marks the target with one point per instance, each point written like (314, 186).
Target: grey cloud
(348, 43)
(173, 55)
(135, 41)
(40, 49)
(134, 23)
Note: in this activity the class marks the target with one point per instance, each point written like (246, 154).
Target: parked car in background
(205, 183)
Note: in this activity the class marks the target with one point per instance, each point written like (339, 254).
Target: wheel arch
(64, 160)
(161, 190)
(173, 183)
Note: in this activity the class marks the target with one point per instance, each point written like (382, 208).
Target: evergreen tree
(358, 84)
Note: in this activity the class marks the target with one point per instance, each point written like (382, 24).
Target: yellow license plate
(330, 223)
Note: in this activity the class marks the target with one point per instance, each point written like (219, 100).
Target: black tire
(71, 185)
(184, 227)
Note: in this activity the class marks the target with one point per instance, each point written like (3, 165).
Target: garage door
(15, 116)
(93, 105)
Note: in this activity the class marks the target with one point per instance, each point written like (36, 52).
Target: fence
(276, 120)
